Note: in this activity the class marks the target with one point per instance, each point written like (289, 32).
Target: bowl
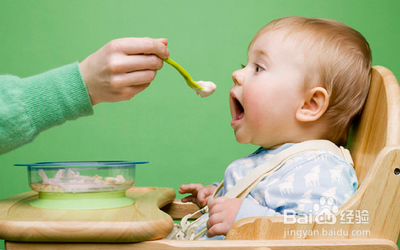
(81, 185)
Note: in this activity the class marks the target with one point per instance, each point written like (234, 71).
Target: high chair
(375, 148)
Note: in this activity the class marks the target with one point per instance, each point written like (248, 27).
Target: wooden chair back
(379, 123)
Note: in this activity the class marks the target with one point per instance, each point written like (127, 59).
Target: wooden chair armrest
(177, 209)
(247, 228)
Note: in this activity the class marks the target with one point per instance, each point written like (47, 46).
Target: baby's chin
(240, 138)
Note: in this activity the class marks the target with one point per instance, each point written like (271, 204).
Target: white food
(73, 181)
(207, 88)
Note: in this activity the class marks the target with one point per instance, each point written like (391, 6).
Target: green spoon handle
(183, 73)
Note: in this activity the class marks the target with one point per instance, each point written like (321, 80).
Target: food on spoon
(207, 88)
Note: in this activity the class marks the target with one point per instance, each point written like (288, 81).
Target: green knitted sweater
(30, 105)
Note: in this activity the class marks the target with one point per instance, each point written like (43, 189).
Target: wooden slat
(361, 244)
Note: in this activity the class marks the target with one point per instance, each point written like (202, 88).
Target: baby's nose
(237, 77)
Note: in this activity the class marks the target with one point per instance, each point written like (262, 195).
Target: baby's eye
(243, 66)
(258, 68)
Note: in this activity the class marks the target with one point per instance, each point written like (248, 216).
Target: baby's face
(267, 92)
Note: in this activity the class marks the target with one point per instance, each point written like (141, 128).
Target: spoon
(203, 88)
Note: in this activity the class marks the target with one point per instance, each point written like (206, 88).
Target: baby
(305, 79)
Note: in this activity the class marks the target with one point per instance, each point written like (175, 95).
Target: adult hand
(222, 215)
(122, 68)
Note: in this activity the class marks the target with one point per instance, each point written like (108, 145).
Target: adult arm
(118, 71)
(33, 104)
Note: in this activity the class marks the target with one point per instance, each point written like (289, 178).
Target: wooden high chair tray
(143, 220)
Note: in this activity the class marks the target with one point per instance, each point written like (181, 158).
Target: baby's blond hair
(339, 59)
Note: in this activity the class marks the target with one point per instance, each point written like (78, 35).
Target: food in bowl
(81, 177)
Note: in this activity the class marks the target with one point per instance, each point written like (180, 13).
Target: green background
(184, 137)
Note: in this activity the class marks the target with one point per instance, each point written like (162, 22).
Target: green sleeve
(30, 105)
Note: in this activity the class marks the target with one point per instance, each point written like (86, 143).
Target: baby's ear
(314, 106)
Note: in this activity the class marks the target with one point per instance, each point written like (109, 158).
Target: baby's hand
(122, 68)
(200, 194)
(222, 215)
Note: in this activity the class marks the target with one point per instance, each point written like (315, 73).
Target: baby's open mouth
(238, 110)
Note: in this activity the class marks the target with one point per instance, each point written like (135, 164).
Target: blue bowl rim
(79, 164)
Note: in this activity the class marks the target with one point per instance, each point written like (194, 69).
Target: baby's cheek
(258, 108)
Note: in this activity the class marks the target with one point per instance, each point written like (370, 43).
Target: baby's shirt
(297, 185)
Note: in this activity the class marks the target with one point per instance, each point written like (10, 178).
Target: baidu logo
(325, 213)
